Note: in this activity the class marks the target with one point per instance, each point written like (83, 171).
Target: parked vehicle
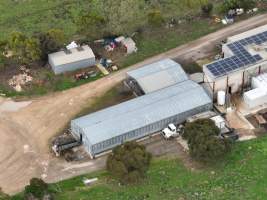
(64, 142)
(85, 75)
(171, 131)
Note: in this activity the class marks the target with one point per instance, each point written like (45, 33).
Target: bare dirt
(25, 132)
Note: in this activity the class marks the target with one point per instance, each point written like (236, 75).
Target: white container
(259, 81)
(221, 98)
(255, 97)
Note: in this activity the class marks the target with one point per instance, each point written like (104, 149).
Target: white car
(170, 131)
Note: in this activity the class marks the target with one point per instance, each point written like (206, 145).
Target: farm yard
(241, 175)
(46, 105)
(40, 127)
(179, 23)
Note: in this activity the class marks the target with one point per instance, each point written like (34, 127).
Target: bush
(155, 18)
(233, 4)
(50, 41)
(129, 162)
(204, 142)
(207, 9)
(37, 188)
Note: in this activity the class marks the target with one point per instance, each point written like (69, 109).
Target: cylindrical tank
(221, 98)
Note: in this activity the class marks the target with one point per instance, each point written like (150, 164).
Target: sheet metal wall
(142, 132)
(72, 66)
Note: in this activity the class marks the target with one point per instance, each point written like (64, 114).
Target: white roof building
(245, 56)
(71, 59)
(158, 75)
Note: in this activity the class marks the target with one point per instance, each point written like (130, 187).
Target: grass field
(40, 15)
(240, 176)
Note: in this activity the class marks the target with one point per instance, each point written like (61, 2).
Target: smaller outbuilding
(156, 76)
(258, 95)
(129, 45)
(71, 59)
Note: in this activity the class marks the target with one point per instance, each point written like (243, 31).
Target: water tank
(221, 98)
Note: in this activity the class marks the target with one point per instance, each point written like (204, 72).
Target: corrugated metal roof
(158, 75)
(61, 58)
(142, 111)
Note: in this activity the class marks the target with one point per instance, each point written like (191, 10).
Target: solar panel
(241, 58)
(258, 57)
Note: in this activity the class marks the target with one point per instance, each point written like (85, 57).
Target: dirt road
(25, 128)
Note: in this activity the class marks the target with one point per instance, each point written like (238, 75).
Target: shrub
(233, 4)
(129, 162)
(207, 9)
(37, 188)
(155, 18)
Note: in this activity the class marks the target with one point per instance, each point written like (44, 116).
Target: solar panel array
(241, 58)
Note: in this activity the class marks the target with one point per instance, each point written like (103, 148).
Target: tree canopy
(50, 41)
(129, 162)
(232, 4)
(25, 49)
(37, 188)
(204, 141)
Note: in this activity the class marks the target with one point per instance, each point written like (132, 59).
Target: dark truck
(65, 142)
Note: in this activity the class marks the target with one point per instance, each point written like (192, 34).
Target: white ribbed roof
(61, 58)
(142, 111)
(158, 75)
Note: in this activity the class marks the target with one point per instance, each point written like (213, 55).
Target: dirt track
(25, 131)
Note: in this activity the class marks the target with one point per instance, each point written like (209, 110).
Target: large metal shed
(140, 117)
(71, 59)
(158, 75)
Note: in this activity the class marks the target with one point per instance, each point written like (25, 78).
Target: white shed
(130, 45)
(258, 95)
(71, 59)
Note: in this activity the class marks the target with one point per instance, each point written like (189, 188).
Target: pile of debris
(110, 44)
(19, 80)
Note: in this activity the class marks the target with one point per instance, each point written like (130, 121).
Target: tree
(3, 59)
(204, 141)
(37, 188)
(207, 8)
(26, 50)
(112, 17)
(129, 162)
(50, 41)
(91, 24)
(155, 18)
(233, 4)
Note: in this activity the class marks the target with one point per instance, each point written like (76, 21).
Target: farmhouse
(71, 59)
(142, 116)
(245, 56)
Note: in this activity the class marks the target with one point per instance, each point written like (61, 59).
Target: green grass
(161, 40)
(53, 84)
(240, 176)
(39, 15)
(30, 16)
(113, 96)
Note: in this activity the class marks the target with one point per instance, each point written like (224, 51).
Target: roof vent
(67, 51)
(80, 48)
